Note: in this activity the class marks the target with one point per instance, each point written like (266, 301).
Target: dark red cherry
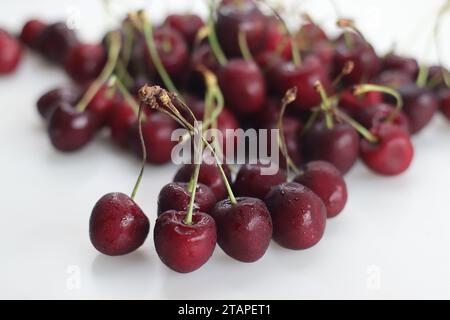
(244, 229)
(31, 32)
(102, 104)
(209, 175)
(120, 121)
(70, 130)
(267, 60)
(362, 54)
(325, 51)
(392, 154)
(408, 65)
(10, 53)
(379, 113)
(172, 50)
(117, 225)
(243, 86)
(200, 57)
(444, 101)
(84, 62)
(326, 181)
(181, 247)
(277, 41)
(157, 131)
(251, 182)
(285, 76)
(309, 35)
(353, 105)
(394, 78)
(48, 101)
(338, 145)
(55, 41)
(186, 24)
(298, 216)
(419, 104)
(176, 196)
(236, 16)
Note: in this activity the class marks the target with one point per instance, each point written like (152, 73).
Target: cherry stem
(144, 153)
(113, 55)
(311, 120)
(422, 76)
(243, 46)
(364, 88)
(359, 127)
(115, 81)
(129, 41)
(150, 41)
(325, 105)
(212, 37)
(346, 70)
(288, 98)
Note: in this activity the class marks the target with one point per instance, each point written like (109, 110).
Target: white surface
(391, 241)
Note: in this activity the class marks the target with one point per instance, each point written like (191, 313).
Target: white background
(392, 240)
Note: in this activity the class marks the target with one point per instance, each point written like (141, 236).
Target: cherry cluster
(334, 101)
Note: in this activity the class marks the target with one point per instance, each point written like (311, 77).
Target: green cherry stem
(126, 95)
(144, 153)
(212, 36)
(113, 55)
(325, 105)
(243, 45)
(359, 127)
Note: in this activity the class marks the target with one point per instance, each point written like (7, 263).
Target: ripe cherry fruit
(31, 32)
(10, 53)
(84, 62)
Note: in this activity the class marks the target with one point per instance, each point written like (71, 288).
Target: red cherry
(276, 36)
(55, 41)
(84, 62)
(184, 248)
(392, 154)
(353, 105)
(48, 101)
(394, 78)
(444, 101)
(298, 216)
(117, 225)
(101, 105)
(10, 53)
(31, 32)
(395, 62)
(309, 35)
(186, 24)
(325, 180)
(120, 121)
(200, 57)
(377, 114)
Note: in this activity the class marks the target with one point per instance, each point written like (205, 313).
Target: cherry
(393, 152)
(200, 57)
(326, 181)
(176, 196)
(102, 104)
(117, 225)
(309, 35)
(157, 130)
(120, 121)
(70, 130)
(419, 105)
(10, 53)
(48, 101)
(394, 78)
(353, 105)
(250, 182)
(338, 145)
(298, 215)
(444, 101)
(183, 247)
(376, 114)
(243, 86)
(84, 62)
(325, 51)
(276, 36)
(266, 60)
(172, 50)
(186, 24)
(31, 32)
(55, 41)
(395, 62)
(240, 16)
(209, 175)
(286, 75)
(365, 60)
(244, 228)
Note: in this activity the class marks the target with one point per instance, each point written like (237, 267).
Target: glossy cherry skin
(250, 182)
(234, 16)
(157, 130)
(327, 182)
(48, 101)
(120, 122)
(70, 130)
(244, 229)
(353, 105)
(176, 196)
(31, 32)
(379, 113)
(395, 62)
(444, 102)
(392, 154)
(366, 61)
(208, 175)
(117, 225)
(285, 76)
(55, 41)
(419, 105)
(186, 24)
(338, 145)
(181, 247)
(173, 52)
(10, 53)
(298, 216)
(243, 86)
(84, 62)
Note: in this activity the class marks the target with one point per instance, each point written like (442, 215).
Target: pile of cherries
(350, 103)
